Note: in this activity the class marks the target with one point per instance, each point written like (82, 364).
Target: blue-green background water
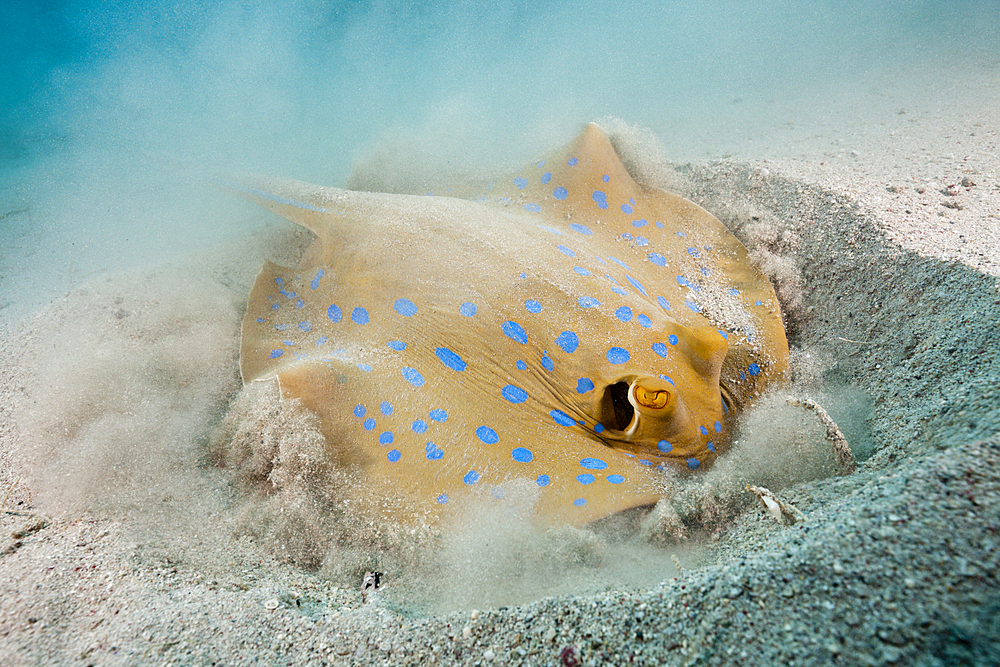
(93, 97)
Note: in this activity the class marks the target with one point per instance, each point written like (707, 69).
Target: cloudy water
(92, 97)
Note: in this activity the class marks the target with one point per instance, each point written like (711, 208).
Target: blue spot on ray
(514, 394)
(359, 315)
(624, 313)
(393, 455)
(618, 355)
(468, 309)
(471, 477)
(315, 281)
(487, 435)
(585, 478)
(583, 229)
(521, 182)
(534, 208)
(569, 252)
(450, 359)
(568, 341)
(405, 307)
(532, 306)
(601, 198)
(412, 376)
(514, 331)
(636, 284)
(583, 385)
(588, 302)
(334, 314)
(386, 407)
(397, 345)
(561, 418)
(547, 362)
(521, 454)
(560, 193)
(593, 464)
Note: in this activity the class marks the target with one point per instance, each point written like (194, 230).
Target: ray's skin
(568, 327)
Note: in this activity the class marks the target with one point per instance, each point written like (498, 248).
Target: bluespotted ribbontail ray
(569, 327)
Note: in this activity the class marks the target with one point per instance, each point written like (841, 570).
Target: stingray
(566, 330)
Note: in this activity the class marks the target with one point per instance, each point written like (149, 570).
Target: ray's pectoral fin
(261, 355)
(303, 203)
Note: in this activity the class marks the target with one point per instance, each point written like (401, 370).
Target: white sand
(884, 225)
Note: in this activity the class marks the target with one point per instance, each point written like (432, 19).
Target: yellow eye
(652, 399)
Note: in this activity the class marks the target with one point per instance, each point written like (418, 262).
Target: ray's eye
(654, 399)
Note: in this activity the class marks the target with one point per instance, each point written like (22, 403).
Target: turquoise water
(96, 97)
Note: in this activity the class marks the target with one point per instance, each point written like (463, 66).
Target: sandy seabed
(881, 228)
